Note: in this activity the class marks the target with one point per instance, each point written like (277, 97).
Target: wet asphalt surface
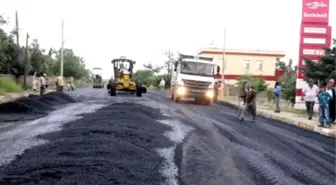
(92, 138)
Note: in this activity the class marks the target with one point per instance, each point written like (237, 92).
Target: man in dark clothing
(250, 103)
(242, 94)
(332, 103)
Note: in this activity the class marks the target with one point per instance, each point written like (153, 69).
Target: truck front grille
(193, 84)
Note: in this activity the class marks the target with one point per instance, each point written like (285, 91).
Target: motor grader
(122, 78)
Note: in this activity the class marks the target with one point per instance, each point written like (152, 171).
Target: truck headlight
(181, 90)
(210, 94)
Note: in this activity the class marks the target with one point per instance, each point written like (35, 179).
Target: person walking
(309, 95)
(324, 99)
(243, 90)
(250, 103)
(42, 84)
(277, 94)
(59, 83)
(332, 104)
(162, 84)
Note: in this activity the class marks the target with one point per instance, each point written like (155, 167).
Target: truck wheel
(206, 102)
(138, 90)
(176, 99)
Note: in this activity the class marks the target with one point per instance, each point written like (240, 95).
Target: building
(239, 62)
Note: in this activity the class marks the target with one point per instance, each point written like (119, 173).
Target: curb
(323, 131)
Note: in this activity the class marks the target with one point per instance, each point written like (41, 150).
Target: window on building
(246, 65)
(259, 65)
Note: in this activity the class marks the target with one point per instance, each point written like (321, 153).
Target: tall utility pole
(62, 49)
(17, 28)
(223, 63)
(25, 63)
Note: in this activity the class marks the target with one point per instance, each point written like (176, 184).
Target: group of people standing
(42, 82)
(326, 96)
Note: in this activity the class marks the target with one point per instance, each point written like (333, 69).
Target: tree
(146, 76)
(151, 67)
(288, 83)
(2, 20)
(322, 70)
(169, 63)
(257, 83)
(38, 60)
(280, 65)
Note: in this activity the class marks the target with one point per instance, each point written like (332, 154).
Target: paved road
(151, 140)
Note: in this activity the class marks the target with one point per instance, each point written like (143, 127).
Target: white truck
(193, 77)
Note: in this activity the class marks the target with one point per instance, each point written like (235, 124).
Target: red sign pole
(314, 35)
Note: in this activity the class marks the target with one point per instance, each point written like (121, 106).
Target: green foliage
(145, 76)
(258, 83)
(324, 69)
(9, 86)
(12, 58)
(288, 87)
(149, 77)
(270, 94)
(288, 83)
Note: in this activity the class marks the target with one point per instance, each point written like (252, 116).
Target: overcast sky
(101, 30)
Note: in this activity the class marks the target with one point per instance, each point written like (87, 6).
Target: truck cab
(193, 77)
(97, 77)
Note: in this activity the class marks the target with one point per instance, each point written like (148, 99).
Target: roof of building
(219, 51)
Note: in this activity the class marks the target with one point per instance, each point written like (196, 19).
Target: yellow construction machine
(122, 79)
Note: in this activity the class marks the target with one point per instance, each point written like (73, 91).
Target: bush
(270, 94)
(258, 83)
(9, 86)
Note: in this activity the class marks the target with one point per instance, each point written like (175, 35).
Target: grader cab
(122, 79)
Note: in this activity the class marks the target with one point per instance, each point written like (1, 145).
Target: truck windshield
(197, 68)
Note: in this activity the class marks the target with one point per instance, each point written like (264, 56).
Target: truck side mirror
(218, 70)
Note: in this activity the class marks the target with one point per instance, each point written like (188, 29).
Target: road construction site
(89, 137)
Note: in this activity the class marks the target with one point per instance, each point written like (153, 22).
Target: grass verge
(9, 86)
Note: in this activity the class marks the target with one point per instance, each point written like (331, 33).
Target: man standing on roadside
(277, 94)
(250, 103)
(332, 103)
(42, 84)
(59, 83)
(309, 95)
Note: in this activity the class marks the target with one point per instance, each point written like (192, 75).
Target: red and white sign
(315, 11)
(313, 52)
(310, 40)
(315, 33)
